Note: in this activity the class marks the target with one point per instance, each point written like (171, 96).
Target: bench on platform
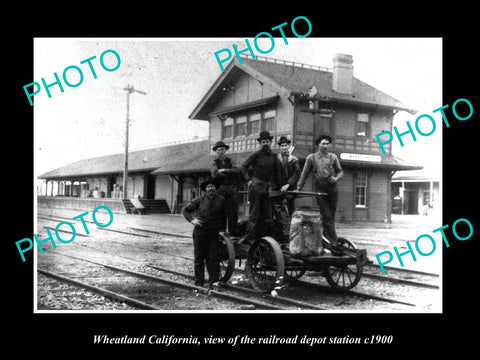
(137, 206)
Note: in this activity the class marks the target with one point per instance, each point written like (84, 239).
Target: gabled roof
(142, 160)
(293, 79)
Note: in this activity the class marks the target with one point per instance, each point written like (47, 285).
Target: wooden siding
(247, 89)
(342, 128)
(215, 130)
(285, 112)
(166, 188)
(377, 195)
(345, 197)
(344, 117)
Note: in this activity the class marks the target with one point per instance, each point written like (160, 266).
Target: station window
(361, 189)
(324, 124)
(228, 127)
(362, 124)
(254, 124)
(269, 120)
(241, 126)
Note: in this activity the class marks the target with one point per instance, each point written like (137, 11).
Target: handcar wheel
(346, 243)
(294, 273)
(227, 258)
(265, 264)
(343, 277)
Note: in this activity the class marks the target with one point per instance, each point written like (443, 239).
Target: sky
(89, 120)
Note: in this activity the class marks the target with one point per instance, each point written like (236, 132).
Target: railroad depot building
(294, 100)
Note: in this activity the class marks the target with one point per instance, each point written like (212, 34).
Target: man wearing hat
(327, 172)
(261, 170)
(208, 215)
(224, 171)
(290, 171)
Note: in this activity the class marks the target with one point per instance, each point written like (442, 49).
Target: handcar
(268, 266)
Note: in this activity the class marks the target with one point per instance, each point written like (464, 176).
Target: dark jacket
(212, 212)
(263, 166)
(229, 176)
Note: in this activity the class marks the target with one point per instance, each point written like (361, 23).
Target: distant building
(294, 100)
(415, 192)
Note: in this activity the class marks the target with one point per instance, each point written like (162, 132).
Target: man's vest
(227, 164)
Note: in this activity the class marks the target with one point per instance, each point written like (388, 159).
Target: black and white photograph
(225, 181)
(197, 175)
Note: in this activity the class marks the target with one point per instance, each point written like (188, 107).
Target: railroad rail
(104, 292)
(375, 266)
(178, 284)
(285, 300)
(304, 283)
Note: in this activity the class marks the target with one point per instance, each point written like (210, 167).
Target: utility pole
(129, 89)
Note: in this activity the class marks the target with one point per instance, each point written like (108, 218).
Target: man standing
(224, 172)
(208, 214)
(290, 171)
(260, 169)
(327, 172)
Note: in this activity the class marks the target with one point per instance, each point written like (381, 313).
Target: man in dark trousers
(225, 173)
(327, 172)
(290, 171)
(208, 214)
(261, 170)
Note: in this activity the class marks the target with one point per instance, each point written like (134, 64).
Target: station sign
(360, 157)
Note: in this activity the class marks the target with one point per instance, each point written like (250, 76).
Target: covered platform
(81, 203)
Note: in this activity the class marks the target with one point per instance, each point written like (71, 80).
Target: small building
(415, 192)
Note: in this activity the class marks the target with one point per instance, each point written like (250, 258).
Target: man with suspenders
(327, 171)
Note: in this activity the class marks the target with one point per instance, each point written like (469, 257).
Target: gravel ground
(57, 296)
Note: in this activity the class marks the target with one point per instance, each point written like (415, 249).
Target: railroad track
(104, 292)
(276, 298)
(285, 300)
(301, 282)
(403, 270)
(141, 275)
(400, 281)
(365, 274)
(137, 231)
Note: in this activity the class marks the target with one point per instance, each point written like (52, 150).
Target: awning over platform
(138, 161)
(389, 162)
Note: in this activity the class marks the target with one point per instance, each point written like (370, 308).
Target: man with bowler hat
(261, 170)
(327, 172)
(208, 215)
(225, 173)
(290, 171)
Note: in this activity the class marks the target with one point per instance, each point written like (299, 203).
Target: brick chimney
(342, 74)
